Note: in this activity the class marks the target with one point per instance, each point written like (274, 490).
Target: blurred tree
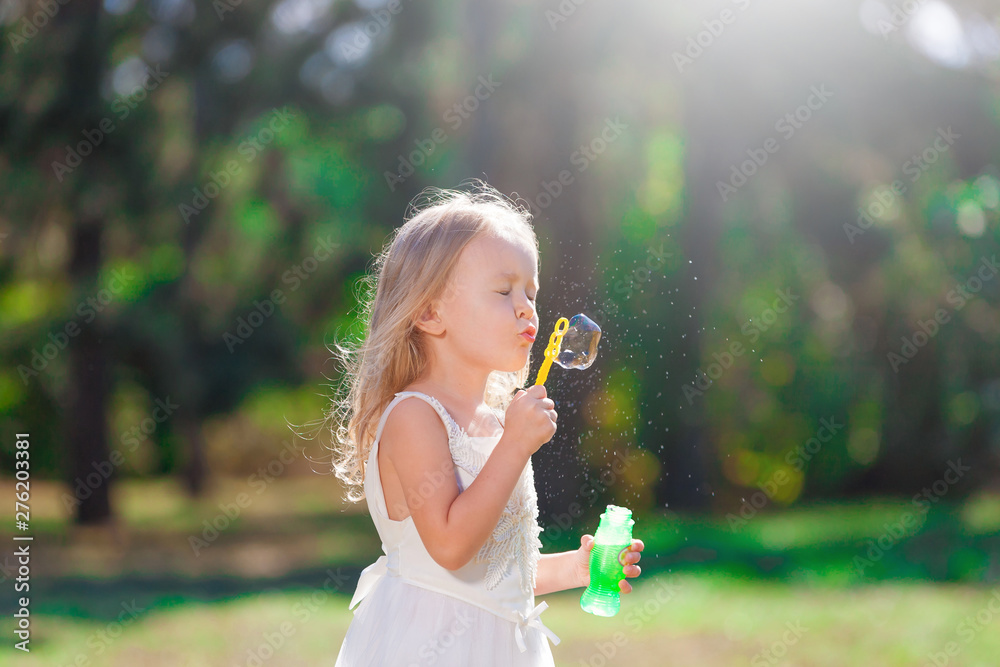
(202, 155)
(168, 142)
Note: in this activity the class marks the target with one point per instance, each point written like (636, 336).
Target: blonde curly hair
(414, 268)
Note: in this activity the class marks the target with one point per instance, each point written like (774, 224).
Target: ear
(430, 320)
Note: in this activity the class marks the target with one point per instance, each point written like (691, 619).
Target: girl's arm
(453, 525)
(558, 572)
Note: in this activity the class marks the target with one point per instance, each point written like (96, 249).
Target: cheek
(484, 318)
(492, 307)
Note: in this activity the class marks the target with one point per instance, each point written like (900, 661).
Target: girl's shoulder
(478, 418)
(417, 391)
(424, 393)
(411, 413)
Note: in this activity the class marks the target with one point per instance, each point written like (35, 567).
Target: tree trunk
(91, 466)
(195, 467)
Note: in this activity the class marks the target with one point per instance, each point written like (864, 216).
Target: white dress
(415, 612)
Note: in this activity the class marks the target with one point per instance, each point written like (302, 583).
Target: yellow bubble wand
(573, 344)
(552, 351)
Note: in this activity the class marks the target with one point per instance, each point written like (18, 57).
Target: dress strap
(450, 424)
(454, 430)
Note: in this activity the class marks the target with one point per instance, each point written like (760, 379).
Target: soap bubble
(578, 348)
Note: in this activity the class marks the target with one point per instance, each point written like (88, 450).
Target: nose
(526, 309)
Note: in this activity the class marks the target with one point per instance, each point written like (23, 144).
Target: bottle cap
(618, 515)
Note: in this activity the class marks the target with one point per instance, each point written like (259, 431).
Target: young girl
(442, 451)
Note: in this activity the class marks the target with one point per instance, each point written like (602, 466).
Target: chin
(514, 365)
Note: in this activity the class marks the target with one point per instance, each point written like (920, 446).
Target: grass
(709, 595)
(669, 620)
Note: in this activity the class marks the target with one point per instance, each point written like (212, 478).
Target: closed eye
(506, 292)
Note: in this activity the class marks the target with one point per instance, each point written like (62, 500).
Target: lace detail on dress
(516, 534)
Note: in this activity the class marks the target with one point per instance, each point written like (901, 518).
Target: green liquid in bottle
(603, 595)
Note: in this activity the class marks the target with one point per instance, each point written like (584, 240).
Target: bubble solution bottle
(614, 534)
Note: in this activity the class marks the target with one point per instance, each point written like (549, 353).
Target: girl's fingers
(625, 586)
(627, 556)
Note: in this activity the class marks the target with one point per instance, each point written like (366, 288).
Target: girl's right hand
(530, 420)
